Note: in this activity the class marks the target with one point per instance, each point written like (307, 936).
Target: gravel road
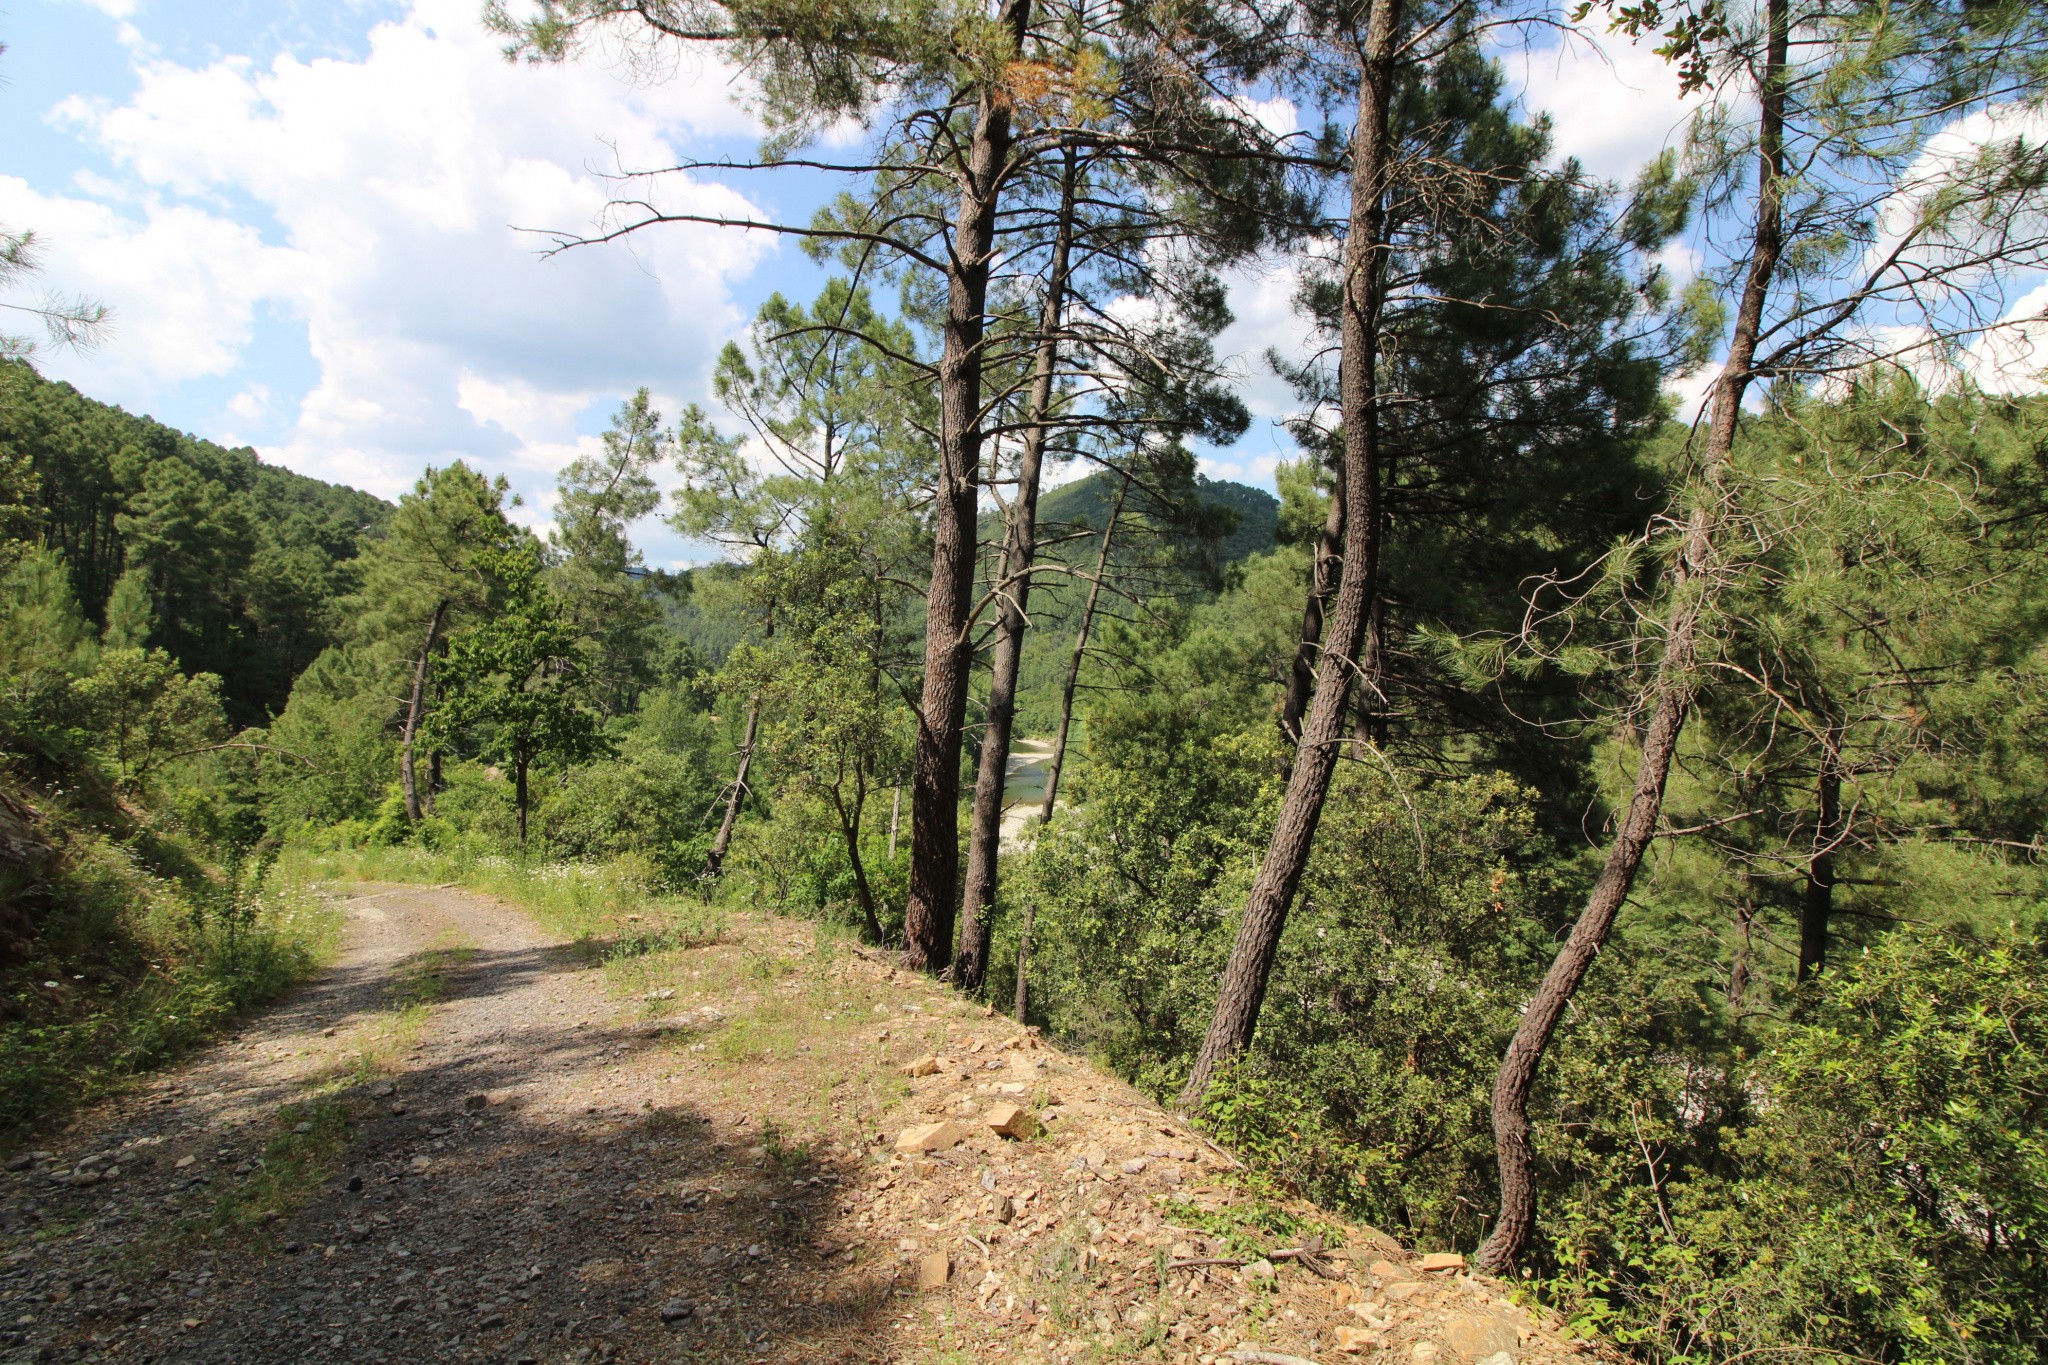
(521, 1176)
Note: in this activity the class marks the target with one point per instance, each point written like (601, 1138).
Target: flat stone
(1352, 1340)
(931, 1137)
(676, 1310)
(1438, 1262)
(1479, 1336)
(934, 1271)
(923, 1066)
(1386, 1270)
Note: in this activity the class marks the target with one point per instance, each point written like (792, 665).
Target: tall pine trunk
(1072, 681)
(714, 861)
(407, 779)
(1013, 585)
(1243, 987)
(1671, 691)
(949, 648)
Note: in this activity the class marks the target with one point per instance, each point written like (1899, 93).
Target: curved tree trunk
(1322, 583)
(1243, 987)
(849, 829)
(1073, 678)
(985, 832)
(949, 648)
(1671, 693)
(1816, 905)
(407, 780)
(714, 861)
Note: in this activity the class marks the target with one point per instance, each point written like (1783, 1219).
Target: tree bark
(1671, 691)
(985, 832)
(407, 780)
(1243, 987)
(1817, 902)
(948, 652)
(714, 861)
(1073, 678)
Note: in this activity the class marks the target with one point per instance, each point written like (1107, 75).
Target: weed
(309, 1136)
(1253, 1228)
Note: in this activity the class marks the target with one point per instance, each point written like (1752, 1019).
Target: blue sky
(302, 213)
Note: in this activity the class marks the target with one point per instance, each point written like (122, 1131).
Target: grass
(132, 968)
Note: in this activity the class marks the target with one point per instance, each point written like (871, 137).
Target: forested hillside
(239, 563)
(1592, 820)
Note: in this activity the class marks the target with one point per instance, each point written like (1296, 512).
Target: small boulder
(923, 1066)
(1441, 1262)
(676, 1310)
(1352, 1340)
(930, 1137)
(1011, 1121)
(934, 1271)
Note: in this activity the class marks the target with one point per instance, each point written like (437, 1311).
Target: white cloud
(375, 200)
(1614, 104)
(183, 283)
(251, 403)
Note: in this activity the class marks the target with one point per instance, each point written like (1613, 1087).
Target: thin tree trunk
(1671, 693)
(519, 799)
(1073, 678)
(433, 781)
(985, 832)
(1740, 966)
(407, 782)
(714, 861)
(1369, 708)
(1024, 959)
(949, 648)
(1817, 903)
(1243, 987)
(849, 829)
(1322, 582)
(895, 815)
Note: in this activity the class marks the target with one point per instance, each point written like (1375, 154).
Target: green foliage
(515, 678)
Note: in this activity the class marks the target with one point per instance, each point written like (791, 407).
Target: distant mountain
(1087, 502)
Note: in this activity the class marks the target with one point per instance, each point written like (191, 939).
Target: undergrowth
(139, 952)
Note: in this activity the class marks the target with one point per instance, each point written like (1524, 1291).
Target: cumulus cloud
(1613, 104)
(375, 200)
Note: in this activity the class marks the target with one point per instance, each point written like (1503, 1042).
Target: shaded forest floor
(470, 1140)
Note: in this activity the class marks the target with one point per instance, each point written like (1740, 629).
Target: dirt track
(493, 1198)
